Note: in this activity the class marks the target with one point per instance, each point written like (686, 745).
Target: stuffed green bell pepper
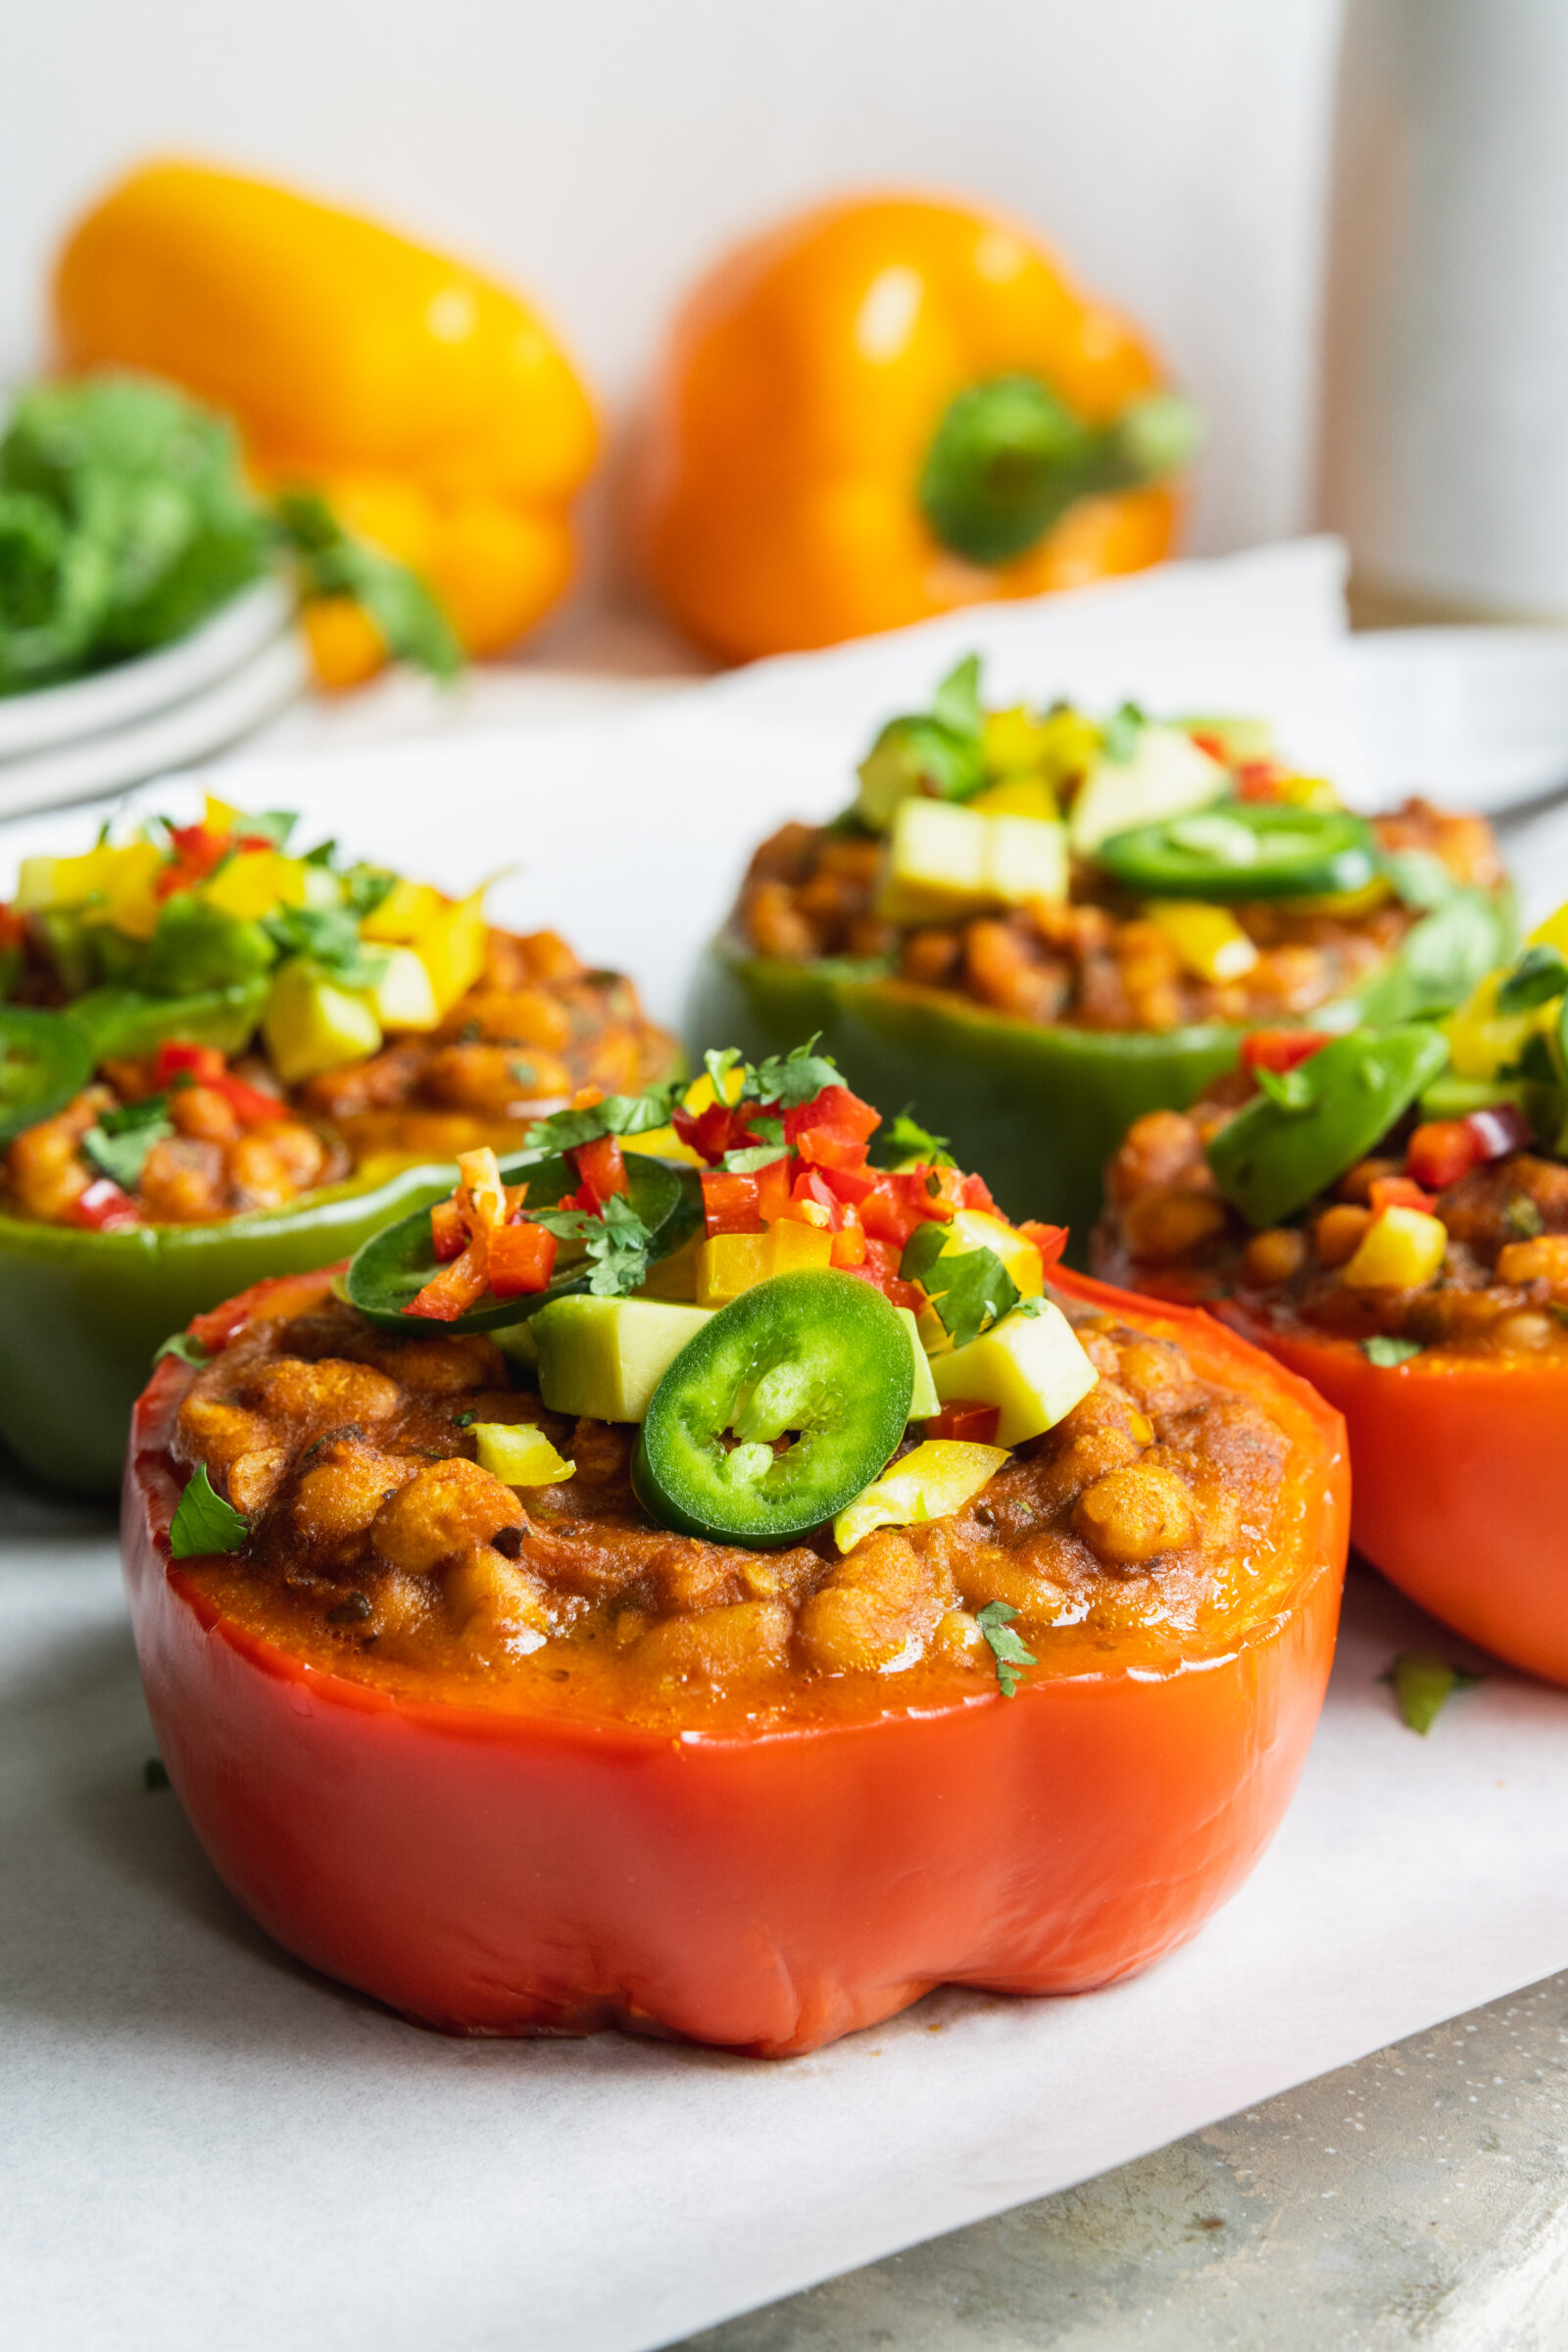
(222, 1060)
(1036, 926)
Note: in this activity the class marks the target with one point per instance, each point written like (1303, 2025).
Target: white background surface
(603, 153)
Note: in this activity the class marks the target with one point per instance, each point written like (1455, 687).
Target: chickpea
(1157, 1151)
(446, 1510)
(1135, 1514)
(1524, 1332)
(931, 956)
(776, 926)
(254, 1477)
(1270, 1258)
(1163, 1227)
(1336, 1233)
(202, 1111)
(182, 1181)
(747, 1637)
(342, 1493)
(322, 1395)
(1545, 1260)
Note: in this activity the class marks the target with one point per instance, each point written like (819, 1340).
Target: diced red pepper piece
(773, 1189)
(1256, 780)
(1050, 1240)
(522, 1259)
(813, 1200)
(449, 1231)
(831, 1148)
(881, 1270)
(1281, 1049)
(600, 1167)
(975, 1193)
(1440, 1151)
(731, 1202)
(904, 1198)
(103, 1207)
(196, 853)
(1499, 1129)
(456, 1289)
(251, 1104)
(968, 1420)
(854, 1185)
(204, 1065)
(1397, 1191)
(835, 1106)
(849, 1243)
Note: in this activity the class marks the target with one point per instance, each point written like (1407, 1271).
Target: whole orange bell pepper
(889, 407)
(432, 408)
(488, 1870)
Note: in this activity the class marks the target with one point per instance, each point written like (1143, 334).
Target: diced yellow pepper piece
(729, 1264)
(675, 1277)
(450, 949)
(405, 914)
(1209, 941)
(309, 1024)
(257, 882)
(520, 1454)
(1017, 796)
(932, 1481)
(130, 903)
(1032, 1366)
(1400, 1250)
(798, 1248)
(35, 884)
(219, 817)
(1014, 743)
(61, 881)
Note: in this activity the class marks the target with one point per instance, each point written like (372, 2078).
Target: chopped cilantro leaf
(189, 1349)
(1120, 732)
(275, 825)
(1385, 1350)
(1418, 878)
(364, 887)
(464, 1420)
(955, 703)
(1523, 1217)
(792, 1078)
(995, 1621)
(760, 1156)
(1423, 1684)
(1537, 977)
(204, 1522)
(330, 937)
(618, 1242)
(117, 1146)
(907, 1139)
(616, 1114)
(718, 1065)
(970, 1290)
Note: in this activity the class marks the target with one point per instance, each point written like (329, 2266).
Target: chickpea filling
(1501, 1285)
(1142, 1525)
(1095, 960)
(535, 1028)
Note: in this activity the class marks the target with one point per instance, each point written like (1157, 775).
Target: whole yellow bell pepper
(431, 407)
(886, 408)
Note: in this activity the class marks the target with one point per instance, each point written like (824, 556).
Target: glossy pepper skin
(434, 408)
(81, 1313)
(492, 1873)
(1460, 1482)
(1040, 1108)
(803, 385)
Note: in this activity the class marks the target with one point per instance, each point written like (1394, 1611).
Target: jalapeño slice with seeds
(1282, 1150)
(45, 1061)
(1241, 851)
(817, 1359)
(394, 1265)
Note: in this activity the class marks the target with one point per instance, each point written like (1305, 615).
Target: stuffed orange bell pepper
(888, 407)
(498, 1681)
(432, 408)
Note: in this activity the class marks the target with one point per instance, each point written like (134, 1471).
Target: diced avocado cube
(937, 864)
(604, 1357)
(924, 1397)
(1030, 1365)
(311, 1024)
(403, 998)
(1028, 858)
(197, 945)
(1166, 775)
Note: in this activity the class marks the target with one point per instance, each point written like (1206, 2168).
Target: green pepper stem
(1010, 457)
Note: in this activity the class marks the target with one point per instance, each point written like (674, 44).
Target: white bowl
(1473, 717)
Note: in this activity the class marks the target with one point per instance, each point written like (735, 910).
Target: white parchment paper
(202, 2144)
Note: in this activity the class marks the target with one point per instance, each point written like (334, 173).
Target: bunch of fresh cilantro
(126, 522)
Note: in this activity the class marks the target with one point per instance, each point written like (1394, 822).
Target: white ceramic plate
(1474, 717)
(31, 723)
(230, 707)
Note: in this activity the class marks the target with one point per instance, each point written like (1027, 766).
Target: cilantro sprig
(616, 1114)
(204, 1522)
(907, 1139)
(186, 1347)
(330, 936)
(970, 1290)
(995, 1621)
(121, 1142)
(1533, 980)
(618, 1242)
